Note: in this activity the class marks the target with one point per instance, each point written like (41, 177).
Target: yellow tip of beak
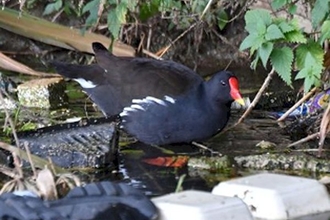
(240, 101)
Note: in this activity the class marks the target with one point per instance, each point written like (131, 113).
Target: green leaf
(91, 7)
(308, 54)
(283, 25)
(222, 19)
(58, 5)
(50, 8)
(278, 4)
(53, 7)
(121, 11)
(273, 33)
(295, 37)
(113, 23)
(309, 59)
(281, 59)
(310, 79)
(319, 12)
(256, 19)
(112, 2)
(292, 9)
(295, 23)
(325, 31)
(131, 4)
(264, 52)
(251, 41)
(148, 9)
(302, 74)
(255, 62)
(308, 83)
(168, 5)
(116, 18)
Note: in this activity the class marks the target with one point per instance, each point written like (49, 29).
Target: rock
(266, 145)
(42, 93)
(7, 104)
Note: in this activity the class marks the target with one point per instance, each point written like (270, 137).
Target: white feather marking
(123, 114)
(87, 84)
(169, 99)
(138, 101)
(153, 99)
(139, 107)
(130, 109)
(138, 104)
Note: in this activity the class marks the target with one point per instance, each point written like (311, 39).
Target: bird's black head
(223, 87)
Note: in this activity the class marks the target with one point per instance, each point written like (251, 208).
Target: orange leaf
(178, 161)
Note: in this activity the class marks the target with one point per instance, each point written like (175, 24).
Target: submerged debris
(81, 144)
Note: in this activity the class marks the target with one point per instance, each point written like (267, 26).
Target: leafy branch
(282, 43)
(181, 14)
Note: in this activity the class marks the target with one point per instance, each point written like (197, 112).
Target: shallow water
(155, 180)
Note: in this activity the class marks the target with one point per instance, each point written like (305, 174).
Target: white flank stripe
(153, 99)
(169, 99)
(137, 101)
(87, 84)
(123, 114)
(139, 107)
(130, 109)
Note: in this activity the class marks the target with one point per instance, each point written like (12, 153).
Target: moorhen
(159, 102)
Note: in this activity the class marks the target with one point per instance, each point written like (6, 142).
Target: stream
(258, 144)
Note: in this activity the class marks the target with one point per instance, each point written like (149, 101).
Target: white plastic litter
(274, 196)
(198, 205)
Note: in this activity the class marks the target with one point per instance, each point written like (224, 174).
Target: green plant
(182, 14)
(69, 7)
(283, 42)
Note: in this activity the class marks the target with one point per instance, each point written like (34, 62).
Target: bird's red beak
(234, 91)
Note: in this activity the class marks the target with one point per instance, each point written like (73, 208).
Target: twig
(206, 9)
(224, 39)
(28, 152)
(57, 15)
(187, 30)
(149, 37)
(8, 172)
(324, 128)
(179, 37)
(17, 165)
(180, 182)
(99, 14)
(203, 147)
(150, 54)
(305, 139)
(256, 99)
(39, 162)
(11, 123)
(307, 96)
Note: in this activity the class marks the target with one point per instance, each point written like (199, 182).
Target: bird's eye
(222, 83)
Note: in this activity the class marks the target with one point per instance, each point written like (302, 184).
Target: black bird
(159, 102)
